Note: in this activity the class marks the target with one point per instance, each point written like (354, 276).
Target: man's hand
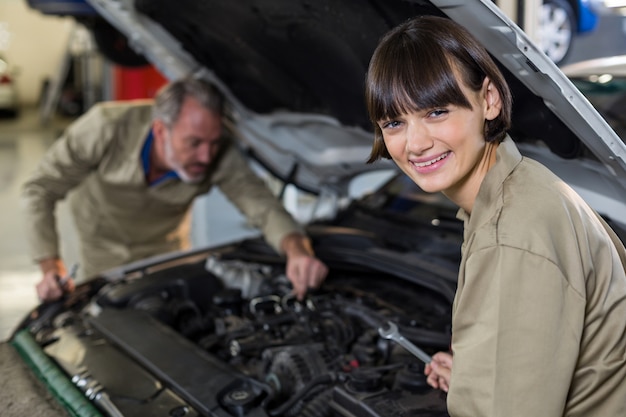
(55, 281)
(439, 370)
(304, 270)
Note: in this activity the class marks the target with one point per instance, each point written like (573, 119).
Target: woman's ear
(493, 101)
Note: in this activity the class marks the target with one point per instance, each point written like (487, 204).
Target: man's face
(189, 147)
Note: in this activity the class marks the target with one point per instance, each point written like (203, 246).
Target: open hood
(293, 71)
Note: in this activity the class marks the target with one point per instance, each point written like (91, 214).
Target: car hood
(294, 74)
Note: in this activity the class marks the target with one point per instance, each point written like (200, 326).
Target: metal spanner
(72, 274)
(391, 333)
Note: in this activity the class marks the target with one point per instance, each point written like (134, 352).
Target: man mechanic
(135, 168)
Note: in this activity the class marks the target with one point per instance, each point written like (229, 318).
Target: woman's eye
(390, 124)
(437, 112)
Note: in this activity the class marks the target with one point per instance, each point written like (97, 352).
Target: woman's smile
(424, 165)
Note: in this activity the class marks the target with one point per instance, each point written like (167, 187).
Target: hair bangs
(411, 80)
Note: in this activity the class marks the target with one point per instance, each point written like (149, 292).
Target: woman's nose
(418, 139)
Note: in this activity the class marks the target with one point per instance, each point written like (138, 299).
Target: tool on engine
(72, 274)
(391, 332)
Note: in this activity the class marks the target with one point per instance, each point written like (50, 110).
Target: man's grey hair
(169, 99)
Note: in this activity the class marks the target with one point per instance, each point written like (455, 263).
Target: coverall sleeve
(516, 335)
(67, 162)
(253, 198)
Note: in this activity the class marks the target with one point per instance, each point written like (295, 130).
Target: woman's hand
(438, 371)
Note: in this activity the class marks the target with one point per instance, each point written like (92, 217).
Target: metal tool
(391, 333)
(71, 274)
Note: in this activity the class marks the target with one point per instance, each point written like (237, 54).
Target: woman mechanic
(538, 322)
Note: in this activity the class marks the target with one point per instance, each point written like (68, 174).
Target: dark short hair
(415, 67)
(169, 99)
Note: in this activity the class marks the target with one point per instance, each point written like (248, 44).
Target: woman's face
(444, 148)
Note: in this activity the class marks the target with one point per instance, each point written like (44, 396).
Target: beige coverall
(539, 317)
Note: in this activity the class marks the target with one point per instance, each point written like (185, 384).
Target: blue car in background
(560, 21)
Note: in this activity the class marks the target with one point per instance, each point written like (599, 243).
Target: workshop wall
(33, 42)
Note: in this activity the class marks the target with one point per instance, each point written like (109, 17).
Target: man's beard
(176, 166)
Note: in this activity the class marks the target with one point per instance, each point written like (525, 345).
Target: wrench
(391, 333)
(71, 274)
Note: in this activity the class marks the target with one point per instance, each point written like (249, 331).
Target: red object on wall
(135, 83)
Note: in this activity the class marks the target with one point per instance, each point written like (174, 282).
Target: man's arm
(66, 163)
(263, 210)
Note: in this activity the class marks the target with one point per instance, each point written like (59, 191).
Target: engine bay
(226, 337)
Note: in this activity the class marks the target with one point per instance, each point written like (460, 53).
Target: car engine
(226, 337)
